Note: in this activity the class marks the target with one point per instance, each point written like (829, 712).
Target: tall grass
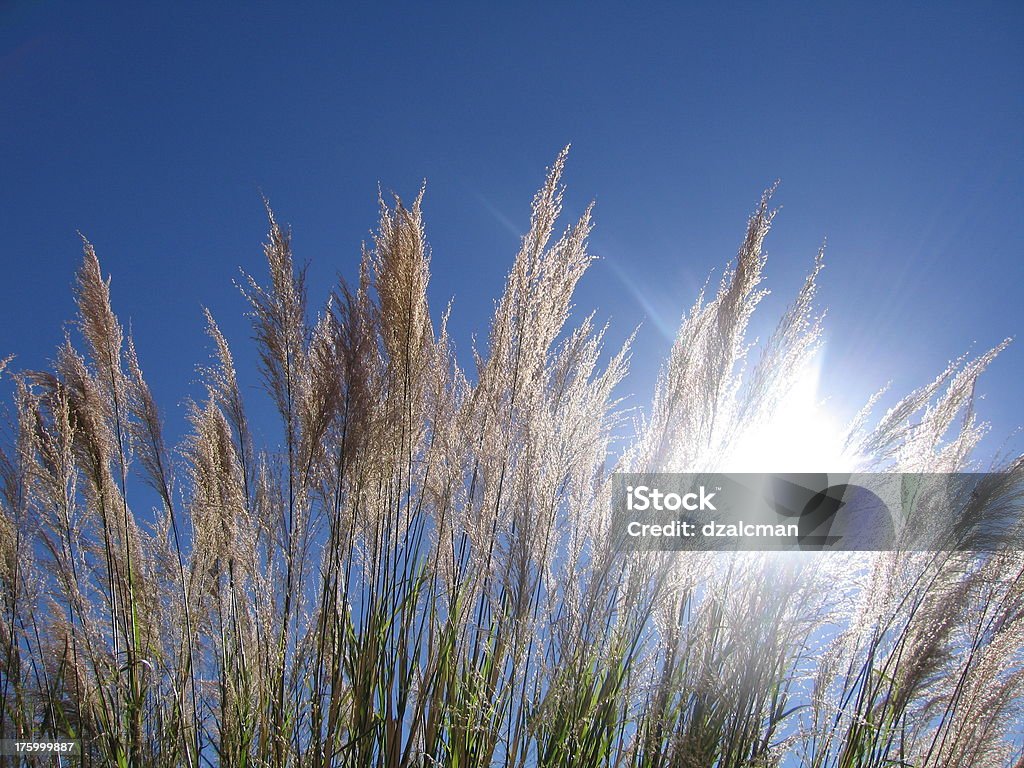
(417, 570)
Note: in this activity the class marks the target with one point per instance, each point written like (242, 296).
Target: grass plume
(420, 571)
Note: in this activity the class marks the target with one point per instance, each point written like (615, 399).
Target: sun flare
(802, 434)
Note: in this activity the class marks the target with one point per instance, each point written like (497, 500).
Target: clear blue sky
(897, 131)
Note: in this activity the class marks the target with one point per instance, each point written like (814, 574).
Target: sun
(801, 434)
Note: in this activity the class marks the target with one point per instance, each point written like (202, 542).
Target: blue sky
(896, 133)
